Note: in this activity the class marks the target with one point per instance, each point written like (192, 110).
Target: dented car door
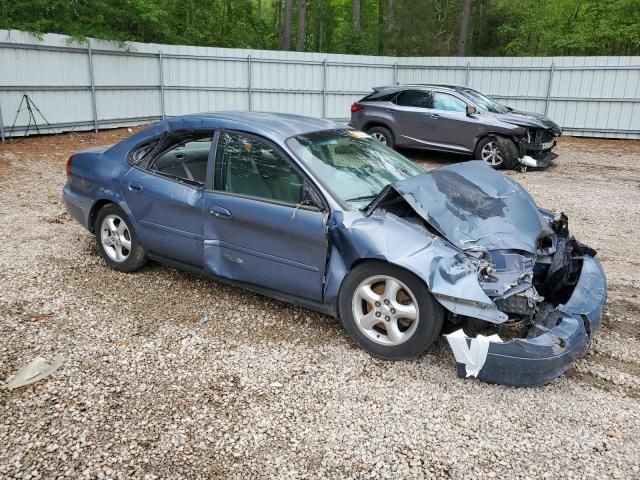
(258, 228)
(165, 197)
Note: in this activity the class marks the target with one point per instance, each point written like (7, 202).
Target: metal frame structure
(250, 89)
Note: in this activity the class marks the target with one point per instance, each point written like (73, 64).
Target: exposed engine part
(561, 225)
(514, 328)
(524, 304)
(565, 265)
(547, 246)
(507, 273)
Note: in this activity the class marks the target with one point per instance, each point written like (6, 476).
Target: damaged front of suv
(524, 297)
(536, 144)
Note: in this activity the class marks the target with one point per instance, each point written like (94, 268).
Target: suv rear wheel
(383, 135)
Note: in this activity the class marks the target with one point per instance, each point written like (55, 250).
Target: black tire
(136, 256)
(383, 133)
(508, 151)
(429, 312)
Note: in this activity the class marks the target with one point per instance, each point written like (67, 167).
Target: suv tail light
(69, 163)
(355, 107)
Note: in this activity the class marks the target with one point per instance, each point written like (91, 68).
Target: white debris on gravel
(268, 390)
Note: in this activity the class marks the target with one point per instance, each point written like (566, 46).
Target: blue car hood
(474, 207)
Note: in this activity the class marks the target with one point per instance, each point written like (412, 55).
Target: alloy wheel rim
(491, 154)
(115, 238)
(379, 137)
(385, 310)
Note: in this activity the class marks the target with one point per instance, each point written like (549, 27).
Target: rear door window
(414, 98)
(185, 158)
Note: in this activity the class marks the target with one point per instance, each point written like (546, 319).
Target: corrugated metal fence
(99, 85)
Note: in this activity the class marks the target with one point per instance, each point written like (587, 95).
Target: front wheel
(497, 152)
(388, 311)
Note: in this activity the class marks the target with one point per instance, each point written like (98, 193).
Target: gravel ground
(268, 390)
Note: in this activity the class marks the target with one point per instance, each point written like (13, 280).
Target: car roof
(404, 86)
(279, 125)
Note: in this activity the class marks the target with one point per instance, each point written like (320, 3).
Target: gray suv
(456, 119)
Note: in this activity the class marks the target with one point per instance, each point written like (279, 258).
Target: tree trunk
(355, 15)
(227, 11)
(381, 30)
(302, 10)
(464, 27)
(285, 31)
(390, 17)
(317, 14)
(259, 9)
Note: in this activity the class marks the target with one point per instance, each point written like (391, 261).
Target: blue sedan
(323, 216)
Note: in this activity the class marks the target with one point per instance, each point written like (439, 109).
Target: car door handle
(135, 187)
(434, 115)
(219, 212)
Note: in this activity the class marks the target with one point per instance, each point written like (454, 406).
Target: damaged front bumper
(542, 161)
(535, 150)
(548, 351)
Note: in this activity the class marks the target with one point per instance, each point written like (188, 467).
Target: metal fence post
(161, 78)
(466, 74)
(395, 73)
(324, 88)
(1, 126)
(249, 81)
(549, 85)
(93, 88)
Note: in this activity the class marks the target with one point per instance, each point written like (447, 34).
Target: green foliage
(390, 27)
(571, 27)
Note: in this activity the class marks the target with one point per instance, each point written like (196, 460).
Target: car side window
(185, 158)
(141, 152)
(247, 165)
(414, 98)
(444, 101)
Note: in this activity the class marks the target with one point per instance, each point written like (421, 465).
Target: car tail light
(69, 163)
(355, 107)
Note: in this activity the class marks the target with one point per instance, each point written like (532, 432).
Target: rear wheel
(117, 241)
(383, 135)
(497, 152)
(388, 311)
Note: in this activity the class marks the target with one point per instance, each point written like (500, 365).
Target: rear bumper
(539, 360)
(78, 206)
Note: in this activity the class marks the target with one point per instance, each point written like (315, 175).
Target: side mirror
(471, 110)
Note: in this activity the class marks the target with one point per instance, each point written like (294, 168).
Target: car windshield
(351, 163)
(484, 102)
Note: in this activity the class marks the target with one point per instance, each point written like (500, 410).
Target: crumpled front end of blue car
(551, 305)
(523, 296)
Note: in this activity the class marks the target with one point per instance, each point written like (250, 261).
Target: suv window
(379, 97)
(444, 101)
(414, 98)
(185, 158)
(247, 165)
